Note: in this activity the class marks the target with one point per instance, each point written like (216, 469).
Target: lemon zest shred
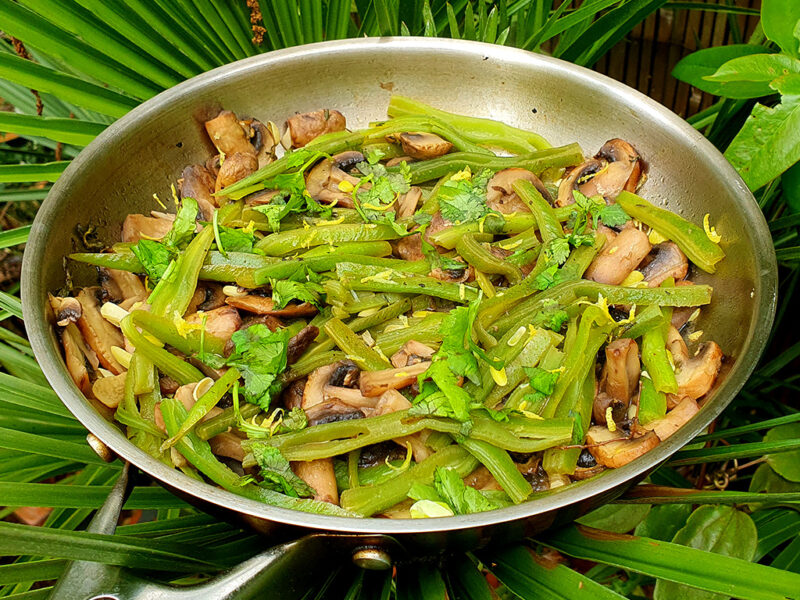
(711, 232)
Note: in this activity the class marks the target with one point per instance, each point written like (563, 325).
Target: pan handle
(287, 570)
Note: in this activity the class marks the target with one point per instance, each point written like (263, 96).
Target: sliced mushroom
(674, 419)
(198, 183)
(99, 334)
(324, 179)
(375, 383)
(314, 391)
(393, 401)
(350, 396)
(262, 139)
(74, 357)
(67, 309)
(319, 474)
(616, 167)
(262, 305)
(411, 353)
(393, 162)
(454, 275)
(407, 205)
(619, 381)
(220, 322)
(619, 258)
(228, 135)
(136, 227)
(695, 375)
(421, 145)
(482, 479)
(110, 390)
(576, 179)
(306, 126)
(300, 342)
(273, 323)
(669, 261)
(292, 396)
(346, 374)
(409, 248)
(207, 296)
(332, 411)
(128, 288)
(234, 168)
(587, 466)
(227, 444)
(500, 194)
(613, 451)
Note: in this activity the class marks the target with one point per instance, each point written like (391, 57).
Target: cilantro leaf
(236, 240)
(260, 355)
(555, 319)
(439, 261)
(541, 380)
(283, 291)
(375, 200)
(464, 200)
(613, 215)
(154, 256)
(183, 226)
(557, 250)
(277, 473)
(295, 420)
(292, 198)
(547, 278)
(421, 491)
(462, 498)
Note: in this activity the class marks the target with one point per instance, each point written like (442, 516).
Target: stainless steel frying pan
(145, 151)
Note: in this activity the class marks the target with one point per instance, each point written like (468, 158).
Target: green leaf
(779, 19)
(83, 496)
(39, 570)
(663, 521)
(13, 237)
(543, 579)
(767, 144)
(260, 355)
(619, 518)
(674, 562)
(277, 473)
(790, 182)
(284, 291)
(719, 529)
(750, 76)
(36, 444)
(696, 67)
(67, 87)
(462, 498)
(785, 464)
(69, 131)
(31, 173)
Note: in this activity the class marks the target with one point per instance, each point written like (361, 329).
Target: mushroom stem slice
(411, 353)
(305, 127)
(622, 369)
(375, 383)
(98, 332)
(228, 135)
(500, 194)
(697, 375)
(674, 419)
(669, 261)
(613, 451)
(261, 305)
(319, 474)
(620, 257)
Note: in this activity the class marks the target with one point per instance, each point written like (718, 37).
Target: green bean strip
(646, 319)
(307, 364)
(532, 352)
(426, 331)
(689, 237)
(656, 362)
(354, 347)
(368, 500)
(286, 242)
(652, 403)
(359, 324)
(173, 296)
(501, 467)
(287, 268)
(191, 342)
(198, 453)
(580, 399)
(426, 123)
(227, 418)
(546, 220)
(479, 257)
(426, 170)
(169, 364)
(485, 132)
(375, 279)
(518, 434)
(204, 404)
(379, 249)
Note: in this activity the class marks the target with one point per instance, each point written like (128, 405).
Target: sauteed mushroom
(305, 127)
(265, 306)
(228, 135)
(613, 450)
(322, 181)
(619, 258)
(697, 374)
(99, 333)
(669, 262)
(619, 382)
(198, 183)
(137, 227)
(500, 194)
(375, 383)
(235, 167)
(616, 167)
(220, 322)
(421, 145)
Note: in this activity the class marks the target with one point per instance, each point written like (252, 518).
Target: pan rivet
(373, 559)
(100, 448)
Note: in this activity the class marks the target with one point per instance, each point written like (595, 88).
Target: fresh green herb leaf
(294, 420)
(464, 200)
(378, 191)
(277, 473)
(613, 215)
(292, 198)
(557, 250)
(541, 380)
(184, 225)
(462, 498)
(154, 256)
(555, 319)
(236, 240)
(284, 291)
(421, 491)
(260, 355)
(440, 261)
(547, 278)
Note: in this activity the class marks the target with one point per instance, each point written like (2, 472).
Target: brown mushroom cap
(234, 168)
(620, 257)
(674, 419)
(136, 226)
(306, 126)
(669, 261)
(500, 194)
(421, 145)
(228, 135)
(220, 322)
(198, 182)
(322, 183)
(617, 166)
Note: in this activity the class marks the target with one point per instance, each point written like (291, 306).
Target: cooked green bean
(354, 347)
(546, 220)
(479, 257)
(286, 242)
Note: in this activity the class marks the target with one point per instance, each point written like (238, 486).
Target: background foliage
(720, 517)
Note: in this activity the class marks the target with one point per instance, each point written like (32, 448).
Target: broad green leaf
(618, 518)
(776, 531)
(12, 237)
(694, 69)
(767, 144)
(779, 19)
(790, 182)
(785, 464)
(536, 578)
(465, 581)
(423, 583)
(664, 521)
(698, 456)
(32, 173)
(69, 131)
(40, 570)
(674, 562)
(35, 444)
(767, 480)
(750, 76)
(718, 529)
(789, 558)
(82, 496)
